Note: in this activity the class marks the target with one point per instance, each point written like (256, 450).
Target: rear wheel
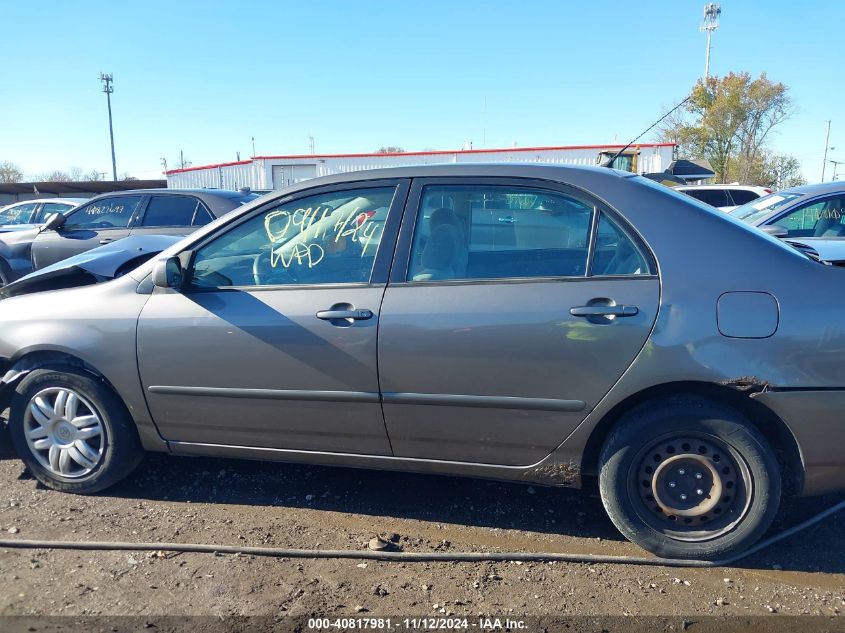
(71, 431)
(689, 478)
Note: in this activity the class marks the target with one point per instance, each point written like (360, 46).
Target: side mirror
(167, 273)
(54, 222)
(775, 231)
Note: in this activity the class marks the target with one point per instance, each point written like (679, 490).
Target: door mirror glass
(167, 273)
(54, 222)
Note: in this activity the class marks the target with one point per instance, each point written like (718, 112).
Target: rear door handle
(355, 315)
(599, 311)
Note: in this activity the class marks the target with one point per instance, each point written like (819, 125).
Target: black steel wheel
(689, 478)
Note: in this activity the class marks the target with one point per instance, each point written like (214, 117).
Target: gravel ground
(251, 503)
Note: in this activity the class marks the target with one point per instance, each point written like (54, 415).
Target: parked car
(724, 197)
(805, 212)
(98, 265)
(534, 323)
(110, 217)
(31, 213)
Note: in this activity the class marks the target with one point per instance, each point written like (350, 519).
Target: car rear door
(171, 214)
(272, 343)
(512, 309)
(88, 226)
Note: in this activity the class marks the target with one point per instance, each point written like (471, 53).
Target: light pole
(711, 23)
(826, 141)
(109, 89)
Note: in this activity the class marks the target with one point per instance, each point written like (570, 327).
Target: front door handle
(355, 315)
(604, 310)
(106, 240)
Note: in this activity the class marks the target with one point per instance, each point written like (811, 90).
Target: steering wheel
(262, 261)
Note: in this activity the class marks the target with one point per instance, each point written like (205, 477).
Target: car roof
(219, 201)
(570, 174)
(717, 187)
(819, 188)
(49, 200)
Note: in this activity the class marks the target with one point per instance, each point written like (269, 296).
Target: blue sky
(205, 77)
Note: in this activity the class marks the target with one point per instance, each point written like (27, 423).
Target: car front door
(91, 225)
(820, 217)
(512, 309)
(272, 341)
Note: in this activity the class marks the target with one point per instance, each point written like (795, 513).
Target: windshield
(757, 209)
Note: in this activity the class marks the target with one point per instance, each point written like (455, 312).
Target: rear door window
(713, 197)
(170, 211)
(49, 209)
(493, 232)
(742, 196)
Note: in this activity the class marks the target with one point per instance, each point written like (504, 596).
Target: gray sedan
(539, 324)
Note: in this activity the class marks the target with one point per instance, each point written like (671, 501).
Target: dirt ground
(251, 503)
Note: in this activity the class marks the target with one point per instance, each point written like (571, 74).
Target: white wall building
(275, 172)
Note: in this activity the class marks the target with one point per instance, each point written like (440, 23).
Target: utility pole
(836, 164)
(311, 143)
(711, 23)
(826, 142)
(253, 147)
(109, 89)
(164, 164)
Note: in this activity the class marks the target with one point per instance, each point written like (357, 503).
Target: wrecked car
(110, 217)
(95, 266)
(552, 325)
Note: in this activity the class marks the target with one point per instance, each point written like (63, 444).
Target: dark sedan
(533, 323)
(110, 217)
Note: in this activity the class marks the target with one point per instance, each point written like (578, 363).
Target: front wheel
(689, 478)
(72, 431)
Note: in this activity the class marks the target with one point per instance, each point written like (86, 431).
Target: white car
(29, 213)
(724, 197)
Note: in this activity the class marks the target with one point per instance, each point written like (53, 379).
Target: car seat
(445, 253)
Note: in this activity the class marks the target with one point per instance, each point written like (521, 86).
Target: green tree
(728, 121)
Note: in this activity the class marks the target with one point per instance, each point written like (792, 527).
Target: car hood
(94, 266)
(826, 249)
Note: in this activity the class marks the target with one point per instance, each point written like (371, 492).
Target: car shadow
(451, 500)
(444, 500)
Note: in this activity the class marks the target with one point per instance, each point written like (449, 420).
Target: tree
(56, 175)
(9, 172)
(728, 121)
(390, 149)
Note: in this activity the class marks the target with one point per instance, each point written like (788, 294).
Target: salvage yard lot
(204, 500)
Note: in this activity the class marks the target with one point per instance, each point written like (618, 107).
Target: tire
(111, 448)
(689, 478)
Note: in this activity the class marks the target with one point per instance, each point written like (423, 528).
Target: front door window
(329, 238)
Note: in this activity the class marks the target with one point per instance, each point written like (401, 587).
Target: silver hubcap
(64, 432)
